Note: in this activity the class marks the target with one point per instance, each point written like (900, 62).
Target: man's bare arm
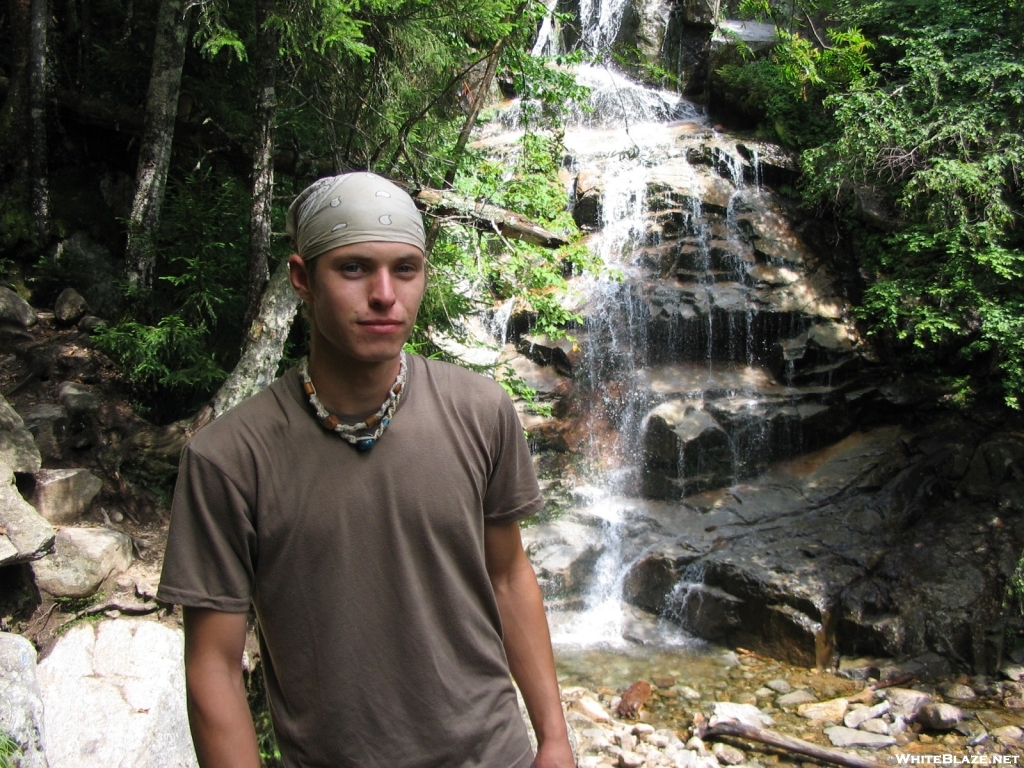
(218, 711)
(527, 641)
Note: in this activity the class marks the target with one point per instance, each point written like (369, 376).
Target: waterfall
(696, 364)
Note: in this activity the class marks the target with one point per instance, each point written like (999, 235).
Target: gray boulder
(84, 558)
(17, 448)
(21, 706)
(62, 495)
(79, 399)
(24, 535)
(114, 694)
(70, 307)
(15, 310)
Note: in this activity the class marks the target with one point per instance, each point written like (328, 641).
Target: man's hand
(527, 641)
(218, 712)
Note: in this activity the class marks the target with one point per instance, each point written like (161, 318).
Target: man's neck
(348, 387)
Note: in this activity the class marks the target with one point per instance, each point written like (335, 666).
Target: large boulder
(15, 310)
(683, 444)
(114, 694)
(17, 448)
(84, 558)
(70, 307)
(62, 495)
(21, 706)
(24, 535)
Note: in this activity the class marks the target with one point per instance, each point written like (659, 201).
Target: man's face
(363, 298)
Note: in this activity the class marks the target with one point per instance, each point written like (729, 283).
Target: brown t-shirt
(379, 629)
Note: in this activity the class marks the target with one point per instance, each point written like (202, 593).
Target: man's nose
(382, 288)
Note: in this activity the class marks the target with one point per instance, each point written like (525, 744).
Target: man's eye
(350, 268)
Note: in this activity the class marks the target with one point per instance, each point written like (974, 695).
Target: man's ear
(300, 277)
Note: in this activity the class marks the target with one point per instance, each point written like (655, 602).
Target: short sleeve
(512, 489)
(210, 560)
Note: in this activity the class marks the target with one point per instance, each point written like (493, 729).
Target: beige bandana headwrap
(353, 208)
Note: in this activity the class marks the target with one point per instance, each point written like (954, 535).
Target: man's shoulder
(462, 383)
(245, 425)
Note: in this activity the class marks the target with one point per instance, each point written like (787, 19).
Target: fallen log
(785, 743)
(487, 217)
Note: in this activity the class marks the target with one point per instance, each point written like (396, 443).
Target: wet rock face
(870, 547)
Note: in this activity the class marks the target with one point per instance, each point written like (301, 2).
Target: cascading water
(698, 365)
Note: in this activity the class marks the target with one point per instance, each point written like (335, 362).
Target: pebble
(728, 754)
(854, 718)
(689, 693)
(744, 713)
(697, 745)
(643, 729)
(940, 717)
(1009, 733)
(960, 692)
(1013, 672)
(779, 686)
(841, 736)
(833, 709)
(906, 701)
(592, 708)
(631, 760)
(795, 699)
(876, 725)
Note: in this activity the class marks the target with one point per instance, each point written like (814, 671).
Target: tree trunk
(37, 118)
(157, 139)
(264, 344)
(14, 122)
(262, 159)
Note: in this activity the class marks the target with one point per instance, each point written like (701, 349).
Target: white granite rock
(21, 707)
(114, 695)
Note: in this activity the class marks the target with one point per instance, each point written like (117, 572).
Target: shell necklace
(350, 432)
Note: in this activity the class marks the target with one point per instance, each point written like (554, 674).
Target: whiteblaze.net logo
(956, 759)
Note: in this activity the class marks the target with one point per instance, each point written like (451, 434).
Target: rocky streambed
(967, 718)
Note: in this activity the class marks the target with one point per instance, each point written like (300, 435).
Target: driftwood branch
(487, 217)
(785, 743)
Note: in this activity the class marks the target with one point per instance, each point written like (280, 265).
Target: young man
(367, 506)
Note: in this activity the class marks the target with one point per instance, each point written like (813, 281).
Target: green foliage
(921, 103)
(942, 133)
(789, 85)
(10, 752)
(177, 361)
